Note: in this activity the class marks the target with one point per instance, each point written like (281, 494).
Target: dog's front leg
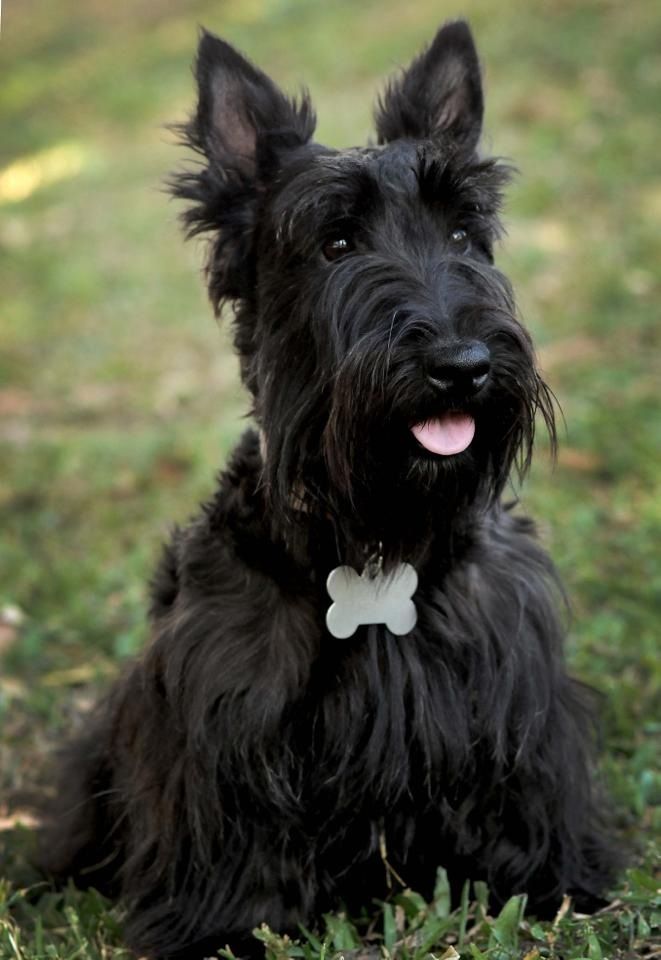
(205, 758)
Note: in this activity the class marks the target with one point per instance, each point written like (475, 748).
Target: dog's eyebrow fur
(333, 190)
(338, 189)
(477, 186)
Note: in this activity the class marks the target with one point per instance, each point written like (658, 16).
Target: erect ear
(439, 96)
(240, 111)
(243, 126)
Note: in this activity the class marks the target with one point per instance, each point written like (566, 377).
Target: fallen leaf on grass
(563, 911)
(84, 673)
(11, 618)
(8, 635)
(570, 351)
(450, 954)
(583, 461)
(172, 469)
(15, 402)
(13, 688)
(17, 818)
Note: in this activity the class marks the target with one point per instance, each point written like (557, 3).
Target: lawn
(119, 396)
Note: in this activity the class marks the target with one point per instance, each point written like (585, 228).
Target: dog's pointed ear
(439, 95)
(243, 127)
(241, 113)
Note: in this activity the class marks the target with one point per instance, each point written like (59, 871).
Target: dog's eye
(334, 249)
(459, 241)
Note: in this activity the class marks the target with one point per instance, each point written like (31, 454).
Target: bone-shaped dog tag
(364, 599)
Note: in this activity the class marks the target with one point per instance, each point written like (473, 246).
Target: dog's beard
(351, 458)
(372, 436)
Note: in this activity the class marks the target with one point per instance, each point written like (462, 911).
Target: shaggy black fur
(249, 767)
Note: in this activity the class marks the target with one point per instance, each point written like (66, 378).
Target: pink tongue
(445, 435)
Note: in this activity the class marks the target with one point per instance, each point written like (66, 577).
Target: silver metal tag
(371, 597)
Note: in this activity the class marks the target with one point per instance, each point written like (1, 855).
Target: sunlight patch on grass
(26, 175)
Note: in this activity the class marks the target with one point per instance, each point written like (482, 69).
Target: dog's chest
(385, 717)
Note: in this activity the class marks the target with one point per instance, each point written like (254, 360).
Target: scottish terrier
(356, 670)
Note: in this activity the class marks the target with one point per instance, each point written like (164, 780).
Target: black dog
(252, 766)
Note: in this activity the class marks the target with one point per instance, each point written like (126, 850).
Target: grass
(119, 398)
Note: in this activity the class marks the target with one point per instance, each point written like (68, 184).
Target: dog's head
(378, 340)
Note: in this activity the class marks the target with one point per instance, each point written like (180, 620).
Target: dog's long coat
(250, 767)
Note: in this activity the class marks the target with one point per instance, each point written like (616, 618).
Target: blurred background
(118, 394)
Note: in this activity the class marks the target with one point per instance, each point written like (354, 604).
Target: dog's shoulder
(196, 552)
(227, 554)
(504, 588)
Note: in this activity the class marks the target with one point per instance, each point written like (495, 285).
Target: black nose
(461, 367)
